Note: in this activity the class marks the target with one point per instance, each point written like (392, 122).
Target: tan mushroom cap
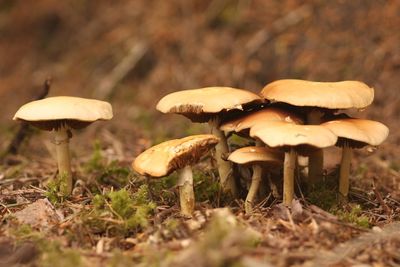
(164, 158)
(331, 95)
(260, 116)
(195, 103)
(64, 108)
(281, 134)
(256, 154)
(364, 132)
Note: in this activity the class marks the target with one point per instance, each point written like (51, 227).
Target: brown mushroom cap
(330, 95)
(52, 112)
(200, 105)
(164, 158)
(358, 132)
(256, 154)
(283, 134)
(265, 115)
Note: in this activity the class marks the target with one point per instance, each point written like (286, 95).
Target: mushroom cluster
(288, 118)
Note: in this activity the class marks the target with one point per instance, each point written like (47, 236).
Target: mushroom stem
(255, 185)
(315, 166)
(226, 177)
(63, 160)
(316, 158)
(345, 170)
(288, 176)
(186, 192)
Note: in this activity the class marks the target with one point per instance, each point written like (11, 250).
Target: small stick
(24, 128)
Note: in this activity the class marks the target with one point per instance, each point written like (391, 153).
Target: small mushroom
(256, 157)
(178, 154)
(61, 114)
(354, 133)
(317, 99)
(292, 137)
(212, 104)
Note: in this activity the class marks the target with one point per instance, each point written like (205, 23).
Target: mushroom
(61, 114)
(211, 104)
(320, 98)
(255, 156)
(292, 138)
(354, 133)
(178, 154)
(243, 123)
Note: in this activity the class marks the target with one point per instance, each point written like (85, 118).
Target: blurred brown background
(134, 52)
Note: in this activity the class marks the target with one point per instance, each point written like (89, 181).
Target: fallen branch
(127, 64)
(24, 128)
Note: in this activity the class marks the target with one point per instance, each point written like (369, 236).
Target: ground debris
(39, 215)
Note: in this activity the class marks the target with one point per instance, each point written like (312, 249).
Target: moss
(107, 173)
(205, 187)
(57, 189)
(53, 254)
(324, 195)
(354, 215)
(131, 211)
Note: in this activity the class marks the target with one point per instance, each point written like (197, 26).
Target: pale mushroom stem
(63, 160)
(255, 185)
(316, 158)
(345, 164)
(186, 192)
(227, 179)
(288, 176)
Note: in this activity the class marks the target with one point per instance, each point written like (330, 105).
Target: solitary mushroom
(255, 156)
(178, 154)
(320, 98)
(292, 138)
(210, 105)
(61, 114)
(354, 133)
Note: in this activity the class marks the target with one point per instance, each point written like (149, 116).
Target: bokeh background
(131, 53)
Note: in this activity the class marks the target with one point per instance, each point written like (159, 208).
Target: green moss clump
(129, 211)
(107, 173)
(57, 189)
(205, 187)
(53, 254)
(324, 195)
(353, 216)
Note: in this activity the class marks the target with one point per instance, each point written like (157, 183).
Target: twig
(378, 195)
(24, 128)
(289, 20)
(128, 63)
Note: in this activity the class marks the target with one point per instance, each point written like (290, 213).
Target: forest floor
(131, 53)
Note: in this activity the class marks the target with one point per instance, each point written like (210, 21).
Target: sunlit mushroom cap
(200, 104)
(255, 154)
(265, 115)
(330, 95)
(358, 132)
(281, 134)
(164, 158)
(77, 112)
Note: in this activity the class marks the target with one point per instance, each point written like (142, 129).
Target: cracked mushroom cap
(164, 158)
(283, 134)
(245, 122)
(330, 95)
(199, 105)
(357, 133)
(53, 112)
(255, 155)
